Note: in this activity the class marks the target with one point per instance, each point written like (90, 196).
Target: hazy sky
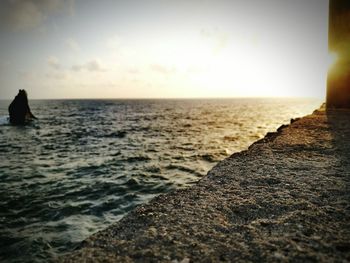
(163, 48)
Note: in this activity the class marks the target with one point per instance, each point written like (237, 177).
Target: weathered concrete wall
(286, 198)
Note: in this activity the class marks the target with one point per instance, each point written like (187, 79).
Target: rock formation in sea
(19, 109)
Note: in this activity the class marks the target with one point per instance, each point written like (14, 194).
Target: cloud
(21, 15)
(133, 71)
(28, 75)
(72, 44)
(55, 75)
(218, 38)
(92, 66)
(53, 63)
(163, 69)
(114, 42)
(197, 69)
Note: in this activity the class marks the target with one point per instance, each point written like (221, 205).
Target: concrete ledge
(287, 198)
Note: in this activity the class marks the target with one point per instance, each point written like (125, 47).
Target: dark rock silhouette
(19, 110)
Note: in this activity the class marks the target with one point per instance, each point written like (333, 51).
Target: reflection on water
(86, 163)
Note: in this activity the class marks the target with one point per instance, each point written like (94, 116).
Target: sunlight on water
(86, 163)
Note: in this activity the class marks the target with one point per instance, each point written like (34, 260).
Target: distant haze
(163, 48)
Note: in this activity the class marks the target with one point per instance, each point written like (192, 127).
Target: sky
(163, 48)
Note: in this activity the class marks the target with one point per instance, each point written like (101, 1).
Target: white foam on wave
(4, 120)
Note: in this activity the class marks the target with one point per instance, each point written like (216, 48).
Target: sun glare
(173, 52)
(331, 60)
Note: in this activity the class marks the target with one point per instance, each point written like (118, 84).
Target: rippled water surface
(86, 163)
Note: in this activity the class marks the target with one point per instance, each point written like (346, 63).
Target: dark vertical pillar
(338, 83)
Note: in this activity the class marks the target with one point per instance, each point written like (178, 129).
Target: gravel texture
(287, 198)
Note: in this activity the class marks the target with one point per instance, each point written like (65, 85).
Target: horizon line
(177, 98)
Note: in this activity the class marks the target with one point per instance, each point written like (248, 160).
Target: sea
(84, 164)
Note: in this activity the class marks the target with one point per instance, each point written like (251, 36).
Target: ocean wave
(85, 163)
(4, 120)
(183, 168)
(138, 158)
(117, 134)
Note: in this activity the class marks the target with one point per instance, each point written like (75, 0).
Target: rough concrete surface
(287, 198)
